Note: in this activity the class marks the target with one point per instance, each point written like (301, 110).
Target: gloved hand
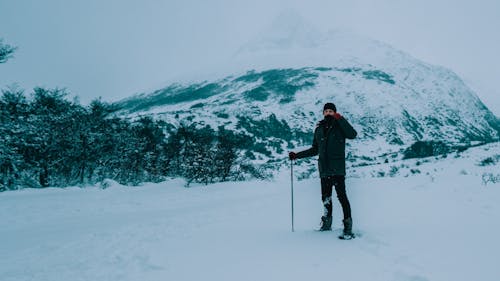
(292, 155)
(337, 116)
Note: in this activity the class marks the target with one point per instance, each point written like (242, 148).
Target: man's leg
(339, 182)
(326, 197)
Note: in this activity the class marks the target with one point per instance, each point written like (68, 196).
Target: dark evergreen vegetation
(47, 140)
(6, 51)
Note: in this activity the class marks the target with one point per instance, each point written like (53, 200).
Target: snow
(440, 224)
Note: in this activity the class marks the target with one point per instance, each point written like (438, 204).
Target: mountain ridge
(296, 96)
(391, 98)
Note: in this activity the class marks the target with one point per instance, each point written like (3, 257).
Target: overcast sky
(117, 48)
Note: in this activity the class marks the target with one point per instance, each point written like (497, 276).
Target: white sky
(117, 48)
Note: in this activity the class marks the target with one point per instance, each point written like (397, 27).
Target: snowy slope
(292, 69)
(437, 225)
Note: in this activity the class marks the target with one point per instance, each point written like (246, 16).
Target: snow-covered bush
(490, 178)
(492, 160)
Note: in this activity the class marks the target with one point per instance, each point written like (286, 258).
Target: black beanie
(329, 105)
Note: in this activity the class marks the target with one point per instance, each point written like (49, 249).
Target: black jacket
(329, 144)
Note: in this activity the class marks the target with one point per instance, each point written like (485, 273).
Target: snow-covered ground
(439, 224)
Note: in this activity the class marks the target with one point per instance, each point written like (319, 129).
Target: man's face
(328, 112)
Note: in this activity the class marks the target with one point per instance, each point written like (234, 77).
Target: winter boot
(326, 223)
(347, 234)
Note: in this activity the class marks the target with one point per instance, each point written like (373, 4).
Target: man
(329, 143)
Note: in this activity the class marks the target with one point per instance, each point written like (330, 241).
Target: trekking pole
(291, 178)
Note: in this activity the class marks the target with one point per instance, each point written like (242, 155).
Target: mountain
(274, 87)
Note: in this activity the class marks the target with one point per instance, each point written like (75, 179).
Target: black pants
(326, 194)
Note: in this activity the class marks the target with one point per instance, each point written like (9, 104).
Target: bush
(493, 160)
(393, 171)
(422, 149)
(490, 178)
(415, 171)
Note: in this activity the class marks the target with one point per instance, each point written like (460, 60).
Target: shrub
(493, 160)
(422, 149)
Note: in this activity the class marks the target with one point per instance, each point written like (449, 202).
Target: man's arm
(313, 151)
(346, 128)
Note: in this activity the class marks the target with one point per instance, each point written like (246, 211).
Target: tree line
(47, 140)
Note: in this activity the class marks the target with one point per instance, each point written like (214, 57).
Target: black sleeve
(313, 151)
(347, 129)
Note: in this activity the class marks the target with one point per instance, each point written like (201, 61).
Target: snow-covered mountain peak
(287, 31)
(292, 41)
